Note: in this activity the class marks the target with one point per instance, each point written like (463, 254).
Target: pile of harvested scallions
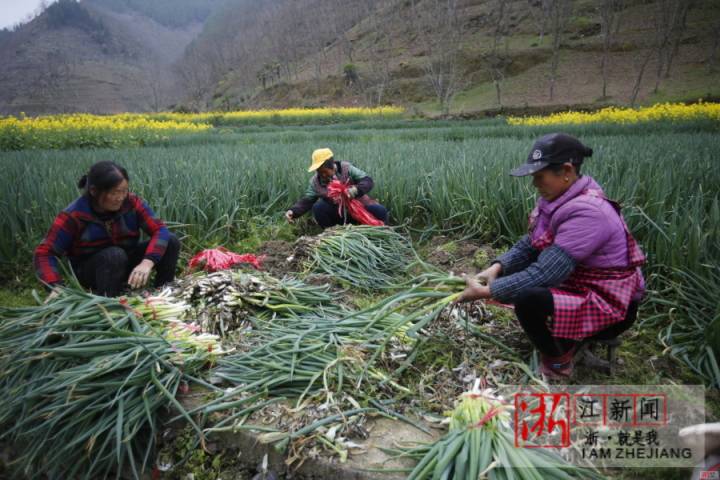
(85, 377)
(326, 356)
(228, 300)
(358, 255)
(89, 375)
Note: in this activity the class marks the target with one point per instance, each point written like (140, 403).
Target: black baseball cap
(552, 149)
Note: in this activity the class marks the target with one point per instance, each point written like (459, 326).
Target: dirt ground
(277, 261)
(457, 256)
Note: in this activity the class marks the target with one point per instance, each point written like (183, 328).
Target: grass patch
(18, 298)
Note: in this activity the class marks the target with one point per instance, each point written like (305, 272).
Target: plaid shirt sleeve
(518, 258)
(153, 226)
(56, 243)
(553, 266)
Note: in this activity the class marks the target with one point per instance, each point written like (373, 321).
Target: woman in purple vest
(324, 210)
(576, 275)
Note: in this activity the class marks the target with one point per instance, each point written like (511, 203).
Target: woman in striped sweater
(100, 234)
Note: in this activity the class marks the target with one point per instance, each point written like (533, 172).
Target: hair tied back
(82, 183)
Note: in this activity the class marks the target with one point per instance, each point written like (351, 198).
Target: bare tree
(540, 12)
(662, 20)
(498, 59)
(155, 86)
(560, 11)
(439, 30)
(293, 44)
(610, 11)
(281, 38)
(670, 23)
(712, 58)
(381, 23)
(677, 33)
(316, 36)
(340, 16)
(196, 77)
(638, 80)
(52, 79)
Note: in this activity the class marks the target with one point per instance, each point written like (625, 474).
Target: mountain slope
(433, 56)
(494, 53)
(87, 57)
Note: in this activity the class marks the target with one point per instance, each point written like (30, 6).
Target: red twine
(490, 414)
(337, 191)
(151, 305)
(220, 258)
(124, 302)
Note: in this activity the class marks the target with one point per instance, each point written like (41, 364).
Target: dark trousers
(106, 272)
(534, 308)
(326, 213)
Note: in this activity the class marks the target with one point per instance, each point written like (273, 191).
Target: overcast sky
(13, 11)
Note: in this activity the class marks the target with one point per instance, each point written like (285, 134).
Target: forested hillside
(455, 55)
(431, 56)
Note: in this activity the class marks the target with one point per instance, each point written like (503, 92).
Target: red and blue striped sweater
(78, 232)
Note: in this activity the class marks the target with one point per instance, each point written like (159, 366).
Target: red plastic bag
(337, 191)
(220, 258)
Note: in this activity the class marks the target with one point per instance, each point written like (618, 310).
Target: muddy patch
(458, 256)
(277, 253)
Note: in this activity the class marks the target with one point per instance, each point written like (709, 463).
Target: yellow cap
(320, 156)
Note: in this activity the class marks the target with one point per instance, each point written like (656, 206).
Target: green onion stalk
(331, 356)
(225, 301)
(362, 256)
(85, 378)
(480, 444)
(311, 356)
(690, 301)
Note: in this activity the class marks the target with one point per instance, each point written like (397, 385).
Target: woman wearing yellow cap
(326, 169)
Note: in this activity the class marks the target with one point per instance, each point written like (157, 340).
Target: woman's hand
(491, 273)
(474, 291)
(141, 274)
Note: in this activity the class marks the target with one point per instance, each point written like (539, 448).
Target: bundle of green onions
(225, 301)
(480, 444)
(358, 255)
(303, 354)
(84, 378)
(326, 356)
(298, 358)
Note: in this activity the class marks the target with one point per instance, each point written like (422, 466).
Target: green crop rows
(442, 177)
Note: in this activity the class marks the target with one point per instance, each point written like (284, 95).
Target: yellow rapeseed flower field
(659, 112)
(86, 130)
(287, 115)
(75, 122)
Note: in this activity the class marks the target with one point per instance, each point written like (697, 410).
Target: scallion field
(224, 180)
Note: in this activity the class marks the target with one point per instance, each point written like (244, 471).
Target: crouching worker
(326, 212)
(99, 233)
(577, 274)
